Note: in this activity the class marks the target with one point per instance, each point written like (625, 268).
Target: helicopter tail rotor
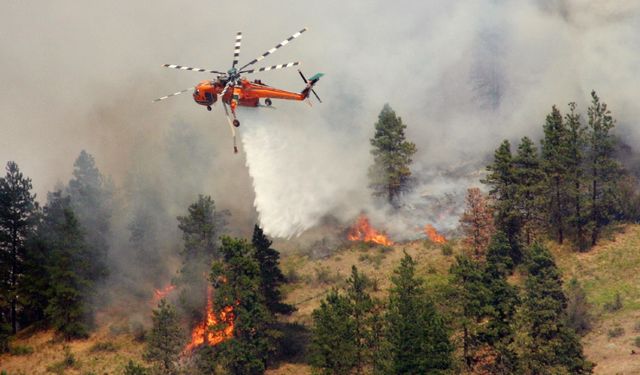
(310, 83)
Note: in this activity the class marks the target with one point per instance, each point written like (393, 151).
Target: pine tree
(362, 308)
(69, 268)
(603, 168)
(555, 163)
(418, 338)
(271, 276)
(165, 339)
(201, 229)
(576, 143)
(333, 347)
(502, 300)
(91, 200)
(545, 344)
(392, 153)
(18, 210)
(477, 222)
(501, 179)
(237, 283)
(471, 295)
(528, 177)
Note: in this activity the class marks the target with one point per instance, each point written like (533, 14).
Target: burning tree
(390, 172)
(477, 222)
(236, 281)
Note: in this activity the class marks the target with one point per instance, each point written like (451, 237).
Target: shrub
(447, 249)
(616, 331)
(614, 305)
(69, 360)
(103, 347)
(133, 368)
(20, 350)
(636, 342)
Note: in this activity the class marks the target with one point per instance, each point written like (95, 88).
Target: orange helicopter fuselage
(246, 93)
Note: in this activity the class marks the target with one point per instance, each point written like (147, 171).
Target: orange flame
(363, 231)
(433, 234)
(206, 332)
(159, 294)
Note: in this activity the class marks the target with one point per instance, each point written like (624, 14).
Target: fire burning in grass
(363, 231)
(209, 332)
(433, 235)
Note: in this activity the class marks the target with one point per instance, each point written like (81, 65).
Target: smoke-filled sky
(462, 74)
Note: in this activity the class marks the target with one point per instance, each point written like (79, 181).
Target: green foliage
(447, 249)
(333, 346)
(616, 331)
(501, 179)
(132, 368)
(614, 305)
(271, 276)
(237, 281)
(201, 228)
(165, 339)
(603, 169)
(636, 341)
(61, 366)
(21, 350)
(528, 179)
(106, 346)
(92, 200)
(5, 334)
(69, 270)
(555, 162)
(418, 339)
(344, 336)
(578, 315)
(18, 213)
(544, 341)
(390, 173)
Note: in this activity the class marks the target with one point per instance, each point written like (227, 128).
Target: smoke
(463, 75)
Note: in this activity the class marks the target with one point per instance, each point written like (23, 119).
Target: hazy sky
(462, 74)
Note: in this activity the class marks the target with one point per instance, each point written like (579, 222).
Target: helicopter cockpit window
(196, 92)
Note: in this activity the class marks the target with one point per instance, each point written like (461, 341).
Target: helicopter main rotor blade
(272, 50)
(265, 68)
(236, 50)
(180, 67)
(317, 97)
(174, 94)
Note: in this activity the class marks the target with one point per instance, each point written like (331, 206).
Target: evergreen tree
(270, 274)
(603, 168)
(477, 223)
(576, 143)
(18, 210)
(555, 164)
(528, 177)
(392, 153)
(362, 306)
(201, 228)
(237, 283)
(501, 303)
(36, 280)
(69, 268)
(91, 200)
(333, 347)
(545, 344)
(501, 179)
(418, 338)
(165, 339)
(472, 297)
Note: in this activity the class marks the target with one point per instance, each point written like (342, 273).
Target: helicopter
(234, 90)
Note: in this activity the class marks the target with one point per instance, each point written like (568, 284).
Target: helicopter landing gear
(267, 102)
(236, 123)
(208, 108)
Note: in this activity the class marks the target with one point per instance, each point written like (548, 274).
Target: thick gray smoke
(462, 74)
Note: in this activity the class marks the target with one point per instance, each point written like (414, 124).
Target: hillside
(613, 266)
